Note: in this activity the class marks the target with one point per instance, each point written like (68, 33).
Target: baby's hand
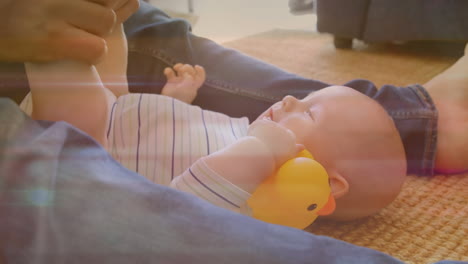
(280, 140)
(183, 81)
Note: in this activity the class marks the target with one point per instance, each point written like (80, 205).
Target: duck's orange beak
(329, 207)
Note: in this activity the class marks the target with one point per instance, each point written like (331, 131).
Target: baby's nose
(289, 102)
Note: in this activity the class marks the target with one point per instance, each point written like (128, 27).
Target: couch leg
(342, 43)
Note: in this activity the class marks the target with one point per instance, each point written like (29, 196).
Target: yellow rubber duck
(296, 195)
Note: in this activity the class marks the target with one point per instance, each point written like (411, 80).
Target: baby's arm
(242, 165)
(250, 160)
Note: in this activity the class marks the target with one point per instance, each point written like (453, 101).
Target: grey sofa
(393, 20)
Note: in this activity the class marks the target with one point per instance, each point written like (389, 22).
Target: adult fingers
(76, 44)
(108, 3)
(89, 16)
(114, 4)
(126, 10)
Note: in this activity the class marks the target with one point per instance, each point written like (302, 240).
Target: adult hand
(280, 140)
(46, 30)
(125, 8)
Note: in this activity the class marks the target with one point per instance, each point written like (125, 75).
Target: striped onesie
(165, 140)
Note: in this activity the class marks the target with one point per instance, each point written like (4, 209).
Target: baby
(213, 156)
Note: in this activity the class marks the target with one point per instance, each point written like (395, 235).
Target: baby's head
(356, 141)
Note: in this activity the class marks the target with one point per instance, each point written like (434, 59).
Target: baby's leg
(183, 82)
(78, 93)
(72, 92)
(450, 93)
(113, 69)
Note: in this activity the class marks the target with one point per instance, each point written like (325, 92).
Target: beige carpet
(428, 221)
(313, 55)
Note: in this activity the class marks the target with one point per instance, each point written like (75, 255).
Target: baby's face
(354, 139)
(329, 122)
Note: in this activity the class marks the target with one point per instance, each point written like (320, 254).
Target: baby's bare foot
(449, 90)
(183, 81)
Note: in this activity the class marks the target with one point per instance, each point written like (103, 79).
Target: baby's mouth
(269, 115)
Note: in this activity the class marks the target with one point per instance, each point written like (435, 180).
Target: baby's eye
(309, 113)
(312, 207)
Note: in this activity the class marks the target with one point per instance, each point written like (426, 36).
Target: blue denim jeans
(239, 85)
(63, 199)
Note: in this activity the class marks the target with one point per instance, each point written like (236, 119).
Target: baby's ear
(339, 185)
